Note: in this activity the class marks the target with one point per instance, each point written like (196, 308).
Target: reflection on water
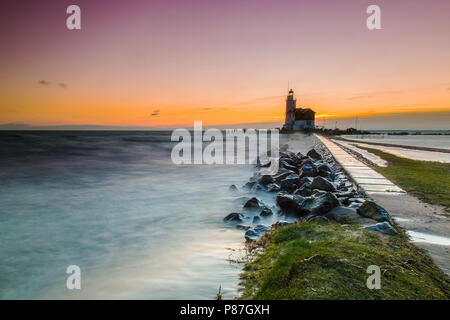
(428, 238)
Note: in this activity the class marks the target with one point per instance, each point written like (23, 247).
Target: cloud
(61, 85)
(155, 112)
(44, 82)
(205, 109)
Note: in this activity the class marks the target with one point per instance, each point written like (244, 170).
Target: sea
(113, 203)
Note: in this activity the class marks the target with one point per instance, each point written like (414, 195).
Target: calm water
(431, 141)
(113, 203)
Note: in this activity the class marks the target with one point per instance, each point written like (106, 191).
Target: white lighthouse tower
(291, 105)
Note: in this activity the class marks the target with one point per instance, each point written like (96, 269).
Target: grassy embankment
(311, 260)
(430, 181)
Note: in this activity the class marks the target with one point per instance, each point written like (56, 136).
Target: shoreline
(341, 206)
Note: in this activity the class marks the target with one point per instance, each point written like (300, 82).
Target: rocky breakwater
(306, 188)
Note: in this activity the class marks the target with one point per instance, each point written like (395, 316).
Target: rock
(325, 170)
(313, 154)
(258, 187)
(288, 166)
(280, 176)
(383, 227)
(290, 183)
(303, 191)
(266, 212)
(256, 219)
(322, 184)
(371, 209)
(355, 205)
(242, 227)
(308, 169)
(282, 223)
(343, 214)
(249, 184)
(233, 187)
(265, 180)
(254, 233)
(316, 218)
(273, 187)
(253, 203)
(289, 204)
(233, 217)
(319, 205)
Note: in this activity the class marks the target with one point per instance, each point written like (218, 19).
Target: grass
(428, 180)
(311, 260)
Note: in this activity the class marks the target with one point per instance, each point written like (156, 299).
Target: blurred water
(138, 226)
(113, 204)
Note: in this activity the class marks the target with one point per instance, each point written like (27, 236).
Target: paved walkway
(428, 225)
(366, 178)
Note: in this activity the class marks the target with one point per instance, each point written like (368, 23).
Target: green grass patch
(428, 180)
(311, 260)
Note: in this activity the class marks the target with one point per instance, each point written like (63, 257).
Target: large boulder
(273, 187)
(288, 166)
(343, 214)
(253, 203)
(319, 205)
(308, 169)
(254, 233)
(266, 212)
(290, 204)
(233, 217)
(265, 180)
(313, 154)
(382, 227)
(371, 209)
(322, 184)
(290, 183)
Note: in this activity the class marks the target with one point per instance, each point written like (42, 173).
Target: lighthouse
(291, 105)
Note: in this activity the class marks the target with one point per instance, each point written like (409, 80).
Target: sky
(166, 63)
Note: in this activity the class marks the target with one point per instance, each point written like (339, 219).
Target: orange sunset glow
(221, 65)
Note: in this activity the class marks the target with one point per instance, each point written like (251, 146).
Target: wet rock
(343, 214)
(290, 183)
(383, 227)
(233, 187)
(313, 154)
(322, 184)
(289, 204)
(371, 209)
(256, 219)
(313, 217)
(249, 184)
(319, 205)
(303, 191)
(265, 180)
(282, 223)
(242, 227)
(266, 212)
(288, 166)
(253, 203)
(308, 169)
(254, 233)
(258, 187)
(273, 187)
(355, 205)
(233, 217)
(281, 175)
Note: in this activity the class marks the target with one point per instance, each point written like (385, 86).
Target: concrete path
(366, 178)
(427, 225)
